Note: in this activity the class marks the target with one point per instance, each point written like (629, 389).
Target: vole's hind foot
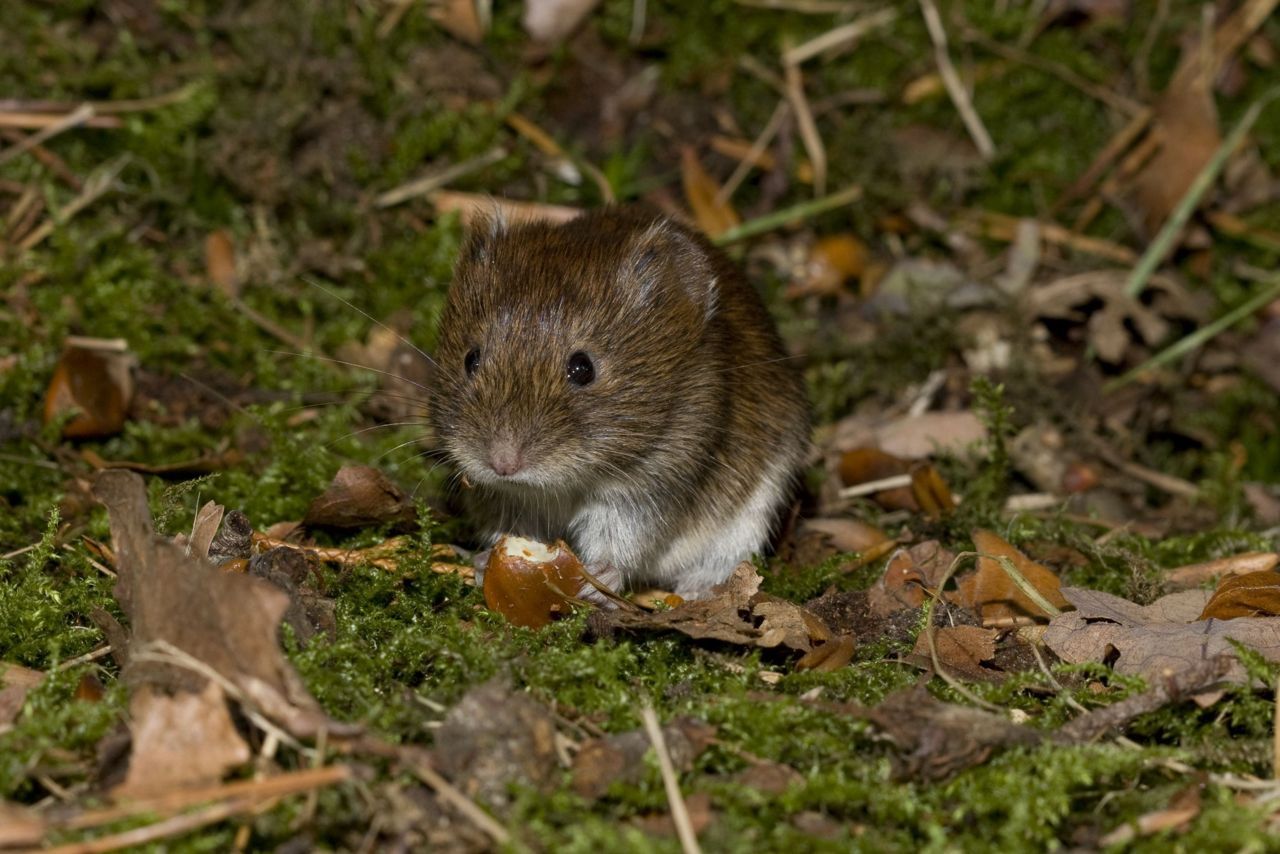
(606, 576)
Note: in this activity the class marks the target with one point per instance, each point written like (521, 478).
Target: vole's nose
(505, 457)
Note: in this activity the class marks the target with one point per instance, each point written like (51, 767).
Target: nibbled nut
(531, 583)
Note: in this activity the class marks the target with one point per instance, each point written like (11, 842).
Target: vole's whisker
(763, 362)
(364, 430)
(397, 447)
(405, 341)
(334, 361)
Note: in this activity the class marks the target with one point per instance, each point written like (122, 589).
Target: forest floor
(1025, 253)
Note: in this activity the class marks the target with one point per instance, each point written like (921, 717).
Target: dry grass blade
(839, 37)
(455, 798)
(40, 121)
(679, 812)
(951, 79)
(795, 213)
(77, 117)
(808, 128)
(748, 161)
(95, 187)
(437, 180)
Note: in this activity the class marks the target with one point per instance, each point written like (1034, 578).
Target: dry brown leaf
(698, 807)
(993, 595)
(961, 650)
(702, 193)
(1195, 574)
(601, 762)
(930, 433)
(829, 656)
(94, 378)
(220, 262)
(931, 492)
(496, 737)
(1255, 594)
(867, 464)
(845, 535)
(909, 577)
(181, 739)
(1121, 320)
(185, 614)
(15, 682)
(460, 19)
(550, 21)
(1186, 129)
(20, 827)
(1152, 640)
(832, 261)
(359, 497)
(734, 612)
(531, 583)
(940, 739)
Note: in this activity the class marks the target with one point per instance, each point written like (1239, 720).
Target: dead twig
(951, 79)
(439, 179)
(459, 801)
(794, 82)
(77, 117)
(752, 158)
(679, 811)
(96, 186)
(839, 37)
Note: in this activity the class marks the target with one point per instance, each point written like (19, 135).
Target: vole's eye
(472, 361)
(580, 370)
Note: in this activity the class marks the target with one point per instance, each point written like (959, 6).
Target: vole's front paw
(480, 560)
(607, 576)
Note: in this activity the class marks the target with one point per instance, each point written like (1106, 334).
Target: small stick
(455, 798)
(779, 218)
(679, 811)
(951, 80)
(1117, 145)
(1200, 336)
(280, 785)
(998, 226)
(73, 119)
(897, 481)
(839, 37)
(97, 185)
(1164, 241)
(804, 7)
(41, 121)
(160, 830)
(100, 652)
(807, 126)
(749, 160)
(441, 178)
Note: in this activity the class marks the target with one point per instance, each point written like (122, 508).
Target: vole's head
(564, 351)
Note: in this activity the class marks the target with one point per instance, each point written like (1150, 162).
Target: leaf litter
(199, 639)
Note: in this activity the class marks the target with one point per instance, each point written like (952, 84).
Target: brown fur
(693, 402)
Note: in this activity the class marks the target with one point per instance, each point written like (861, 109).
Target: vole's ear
(665, 260)
(485, 227)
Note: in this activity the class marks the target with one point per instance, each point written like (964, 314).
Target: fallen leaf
(461, 19)
(1122, 320)
(181, 739)
(181, 610)
(1185, 126)
(734, 612)
(992, 594)
(845, 535)
(909, 577)
(203, 529)
(20, 827)
(961, 650)
(15, 682)
(697, 806)
(701, 191)
(868, 465)
(220, 262)
(550, 21)
(619, 758)
(931, 492)
(531, 583)
(832, 261)
(940, 739)
(359, 497)
(829, 656)
(495, 738)
(772, 778)
(94, 379)
(1153, 640)
(1255, 594)
(1245, 563)
(930, 433)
